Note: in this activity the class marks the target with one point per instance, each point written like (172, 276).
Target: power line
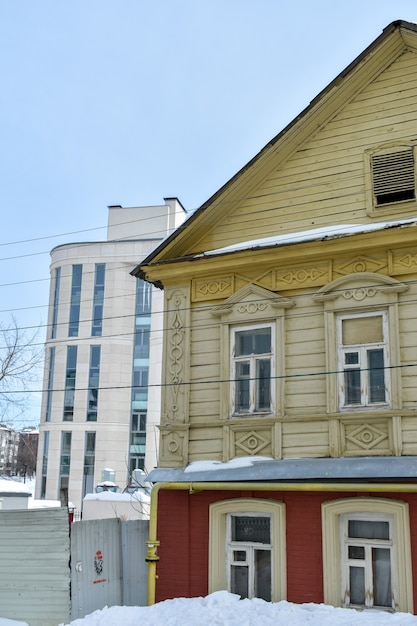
(216, 381)
(290, 314)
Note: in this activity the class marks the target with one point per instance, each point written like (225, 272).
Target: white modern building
(101, 401)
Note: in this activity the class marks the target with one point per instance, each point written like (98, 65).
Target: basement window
(393, 176)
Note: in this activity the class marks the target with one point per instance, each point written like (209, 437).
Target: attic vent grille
(393, 176)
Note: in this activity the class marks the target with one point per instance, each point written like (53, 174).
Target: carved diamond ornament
(251, 443)
(367, 436)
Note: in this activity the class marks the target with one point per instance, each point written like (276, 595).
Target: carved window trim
(252, 305)
(218, 540)
(362, 292)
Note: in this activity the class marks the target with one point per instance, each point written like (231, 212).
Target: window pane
(360, 330)
(357, 585)
(263, 574)
(376, 375)
(381, 570)
(364, 529)
(242, 386)
(352, 358)
(356, 552)
(254, 529)
(256, 341)
(352, 386)
(75, 300)
(239, 555)
(239, 580)
(263, 384)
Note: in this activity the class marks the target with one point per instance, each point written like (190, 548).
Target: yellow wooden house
(288, 434)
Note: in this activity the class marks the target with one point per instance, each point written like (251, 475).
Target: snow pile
(226, 609)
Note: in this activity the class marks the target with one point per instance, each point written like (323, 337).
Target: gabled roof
(396, 38)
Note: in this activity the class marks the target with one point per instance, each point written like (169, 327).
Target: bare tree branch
(20, 357)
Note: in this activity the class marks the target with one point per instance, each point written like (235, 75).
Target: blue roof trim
(341, 469)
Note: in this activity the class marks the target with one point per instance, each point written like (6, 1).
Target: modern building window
(70, 375)
(93, 383)
(44, 463)
(64, 465)
(137, 441)
(56, 302)
(140, 387)
(74, 315)
(141, 346)
(251, 533)
(140, 375)
(50, 384)
(252, 369)
(98, 300)
(143, 297)
(363, 359)
(89, 460)
(367, 554)
(249, 555)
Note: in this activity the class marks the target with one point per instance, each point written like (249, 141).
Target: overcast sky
(129, 101)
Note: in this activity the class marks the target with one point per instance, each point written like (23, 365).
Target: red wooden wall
(183, 529)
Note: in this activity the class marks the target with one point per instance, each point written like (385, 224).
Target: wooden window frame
(333, 513)
(218, 574)
(252, 359)
(362, 350)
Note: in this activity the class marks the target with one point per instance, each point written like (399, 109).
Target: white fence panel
(135, 567)
(34, 566)
(108, 566)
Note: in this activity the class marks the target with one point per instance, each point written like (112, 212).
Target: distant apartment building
(103, 352)
(9, 443)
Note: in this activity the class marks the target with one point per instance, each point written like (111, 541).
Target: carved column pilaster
(176, 374)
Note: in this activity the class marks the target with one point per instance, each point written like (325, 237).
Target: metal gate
(108, 566)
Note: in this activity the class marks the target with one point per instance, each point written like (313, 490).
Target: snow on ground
(226, 609)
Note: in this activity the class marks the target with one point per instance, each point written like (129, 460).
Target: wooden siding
(305, 439)
(323, 183)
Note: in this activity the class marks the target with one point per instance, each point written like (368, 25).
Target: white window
(364, 379)
(249, 555)
(251, 533)
(367, 554)
(252, 369)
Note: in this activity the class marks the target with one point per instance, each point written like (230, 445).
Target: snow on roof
(137, 496)
(207, 466)
(326, 232)
(14, 488)
(267, 469)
